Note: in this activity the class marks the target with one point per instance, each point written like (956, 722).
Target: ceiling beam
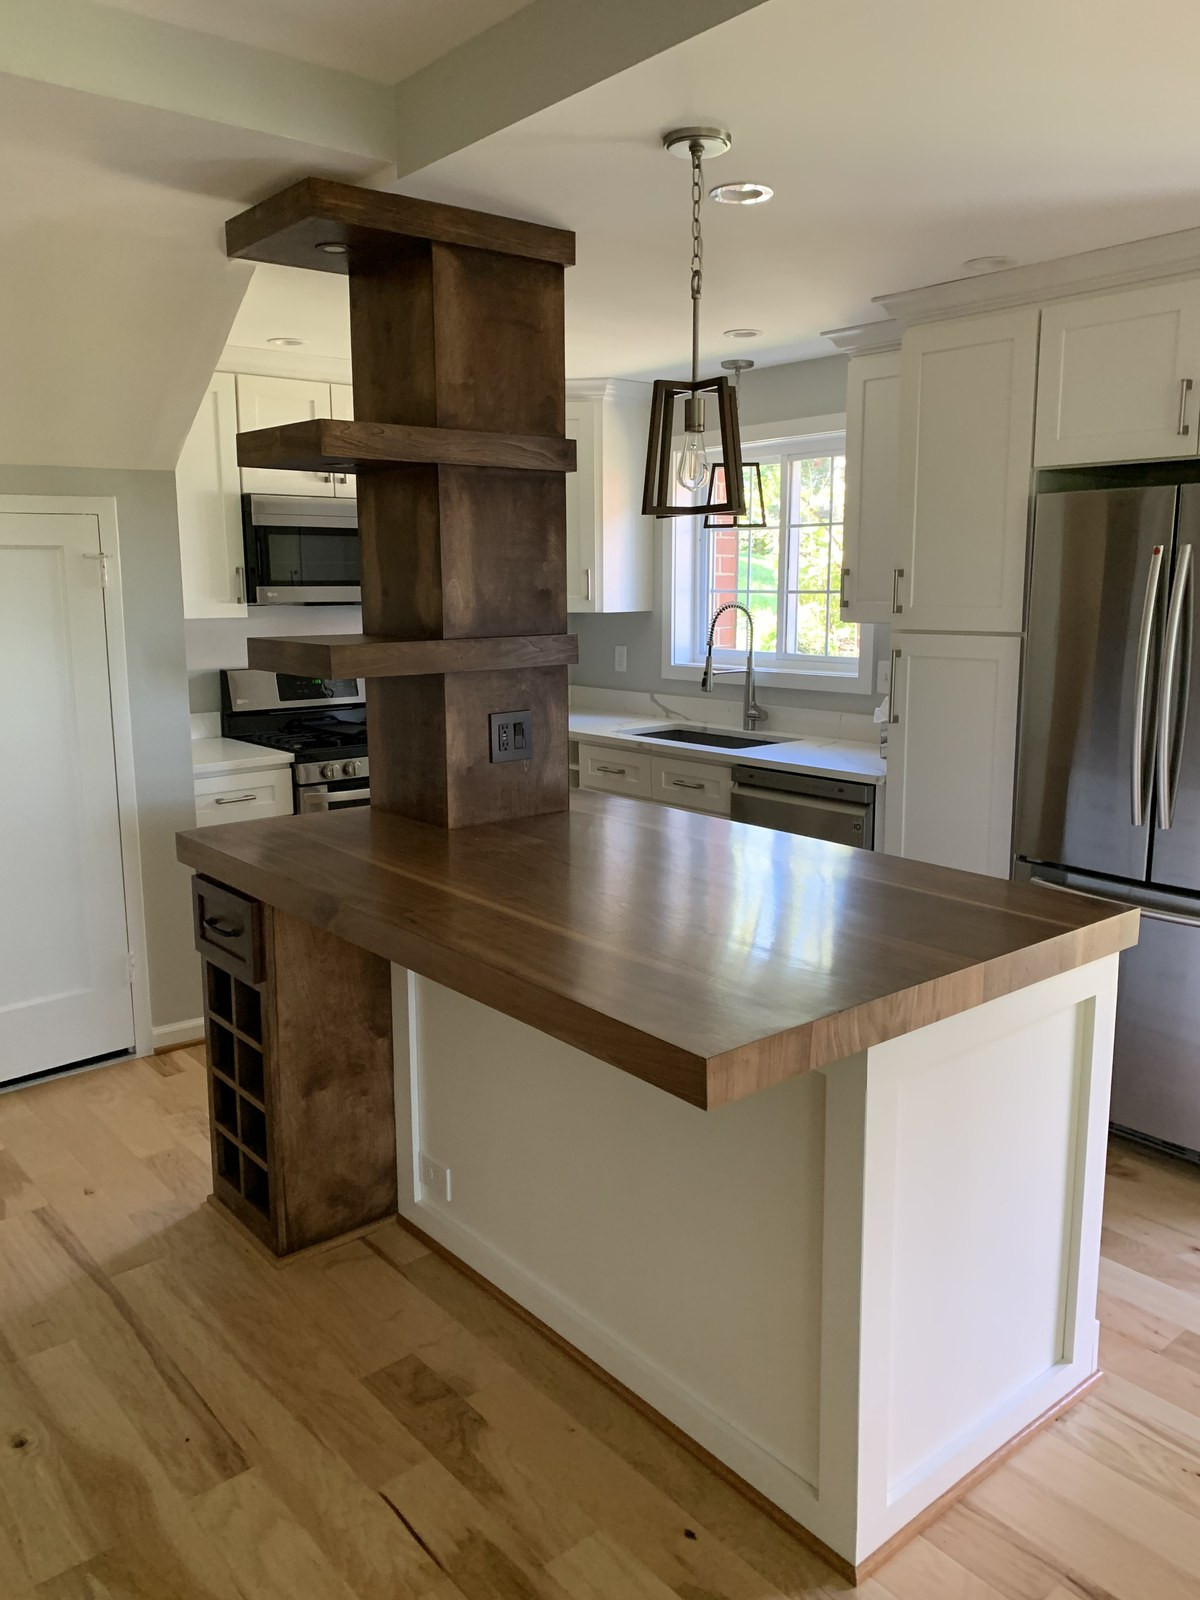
(542, 54)
(102, 50)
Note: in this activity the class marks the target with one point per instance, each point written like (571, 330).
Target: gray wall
(153, 605)
(213, 643)
(776, 394)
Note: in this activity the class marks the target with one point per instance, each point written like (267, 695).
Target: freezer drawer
(1156, 1062)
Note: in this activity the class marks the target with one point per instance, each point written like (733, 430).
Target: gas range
(322, 722)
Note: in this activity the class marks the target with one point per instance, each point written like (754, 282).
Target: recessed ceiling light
(989, 263)
(332, 247)
(740, 194)
(285, 343)
(742, 333)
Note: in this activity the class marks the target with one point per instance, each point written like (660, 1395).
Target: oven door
(332, 796)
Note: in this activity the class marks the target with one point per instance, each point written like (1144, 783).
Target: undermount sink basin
(697, 736)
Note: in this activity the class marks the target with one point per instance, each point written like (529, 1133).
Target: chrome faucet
(752, 712)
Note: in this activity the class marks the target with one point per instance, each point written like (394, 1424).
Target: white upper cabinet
(341, 407)
(952, 750)
(871, 530)
(1119, 378)
(610, 543)
(271, 403)
(966, 452)
(208, 494)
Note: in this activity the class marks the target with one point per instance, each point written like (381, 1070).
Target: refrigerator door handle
(1173, 730)
(1139, 776)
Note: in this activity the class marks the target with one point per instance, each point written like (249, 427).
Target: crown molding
(1116, 266)
(608, 389)
(284, 364)
(866, 338)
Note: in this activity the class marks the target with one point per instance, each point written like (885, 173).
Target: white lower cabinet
(242, 797)
(695, 785)
(952, 750)
(614, 771)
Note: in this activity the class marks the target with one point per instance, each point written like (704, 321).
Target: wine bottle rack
(238, 1106)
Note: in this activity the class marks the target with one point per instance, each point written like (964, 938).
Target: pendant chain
(697, 150)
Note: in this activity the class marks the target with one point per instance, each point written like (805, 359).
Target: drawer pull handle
(224, 929)
(1185, 388)
(616, 772)
(233, 799)
(683, 783)
(897, 574)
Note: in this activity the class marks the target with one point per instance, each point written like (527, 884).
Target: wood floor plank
(182, 1419)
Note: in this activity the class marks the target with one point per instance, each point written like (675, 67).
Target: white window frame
(685, 631)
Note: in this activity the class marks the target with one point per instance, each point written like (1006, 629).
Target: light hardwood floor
(181, 1419)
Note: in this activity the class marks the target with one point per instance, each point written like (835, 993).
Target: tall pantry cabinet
(962, 409)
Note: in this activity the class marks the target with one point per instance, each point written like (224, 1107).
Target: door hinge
(100, 556)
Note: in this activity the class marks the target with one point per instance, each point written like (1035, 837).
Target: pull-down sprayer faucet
(752, 712)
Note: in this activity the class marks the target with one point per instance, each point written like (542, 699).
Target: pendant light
(752, 484)
(673, 494)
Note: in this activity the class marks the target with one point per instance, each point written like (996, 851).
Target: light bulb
(693, 462)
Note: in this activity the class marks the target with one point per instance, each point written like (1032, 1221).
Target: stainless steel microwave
(300, 550)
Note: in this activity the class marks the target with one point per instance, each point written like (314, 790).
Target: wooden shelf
(290, 227)
(361, 655)
(324, 444)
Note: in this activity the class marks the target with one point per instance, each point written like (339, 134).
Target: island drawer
(698, 785)
(228, 929)
(614, 771)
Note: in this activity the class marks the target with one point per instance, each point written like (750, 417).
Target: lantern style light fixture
(752, 484)
(673, 493)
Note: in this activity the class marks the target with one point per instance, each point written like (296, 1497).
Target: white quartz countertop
(213, 757)
(826, 758)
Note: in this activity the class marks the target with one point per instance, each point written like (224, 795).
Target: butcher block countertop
(709, 958)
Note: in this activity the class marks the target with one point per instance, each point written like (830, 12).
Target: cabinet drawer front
(694, 784)
(226, 799)
(614, 771)
(228, 929)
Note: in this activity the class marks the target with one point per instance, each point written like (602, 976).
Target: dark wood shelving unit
(358, 655)
(324, 444)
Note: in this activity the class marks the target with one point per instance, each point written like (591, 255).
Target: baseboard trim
(854, 1572)
(174, 1035)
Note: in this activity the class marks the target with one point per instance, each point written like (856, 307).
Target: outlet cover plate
(511, 735)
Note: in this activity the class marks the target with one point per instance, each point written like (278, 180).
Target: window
(787, 574)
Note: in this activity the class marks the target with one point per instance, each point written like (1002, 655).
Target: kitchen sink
(703, 740)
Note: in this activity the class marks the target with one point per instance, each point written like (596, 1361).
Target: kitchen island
(802, 1145)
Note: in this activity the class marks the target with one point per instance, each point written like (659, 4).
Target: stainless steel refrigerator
(1108, 778)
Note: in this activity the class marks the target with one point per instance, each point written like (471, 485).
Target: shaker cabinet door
(208, 497)
(870, 552)
(272, 403)
(1119, 376)
(952, 750)
(966, 450)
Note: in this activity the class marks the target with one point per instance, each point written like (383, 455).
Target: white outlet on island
(435, 1178)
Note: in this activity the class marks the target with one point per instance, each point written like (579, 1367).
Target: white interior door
(65, 987)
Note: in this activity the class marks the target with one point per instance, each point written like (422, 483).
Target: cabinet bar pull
(239, 578)
(587, 583)
(1185, 388)
(616, 772)
(232, 799)
(897, 574)
(223, 928)
(895, 716)
(842, 590)
(683, 783)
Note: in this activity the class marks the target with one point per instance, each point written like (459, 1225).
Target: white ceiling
(901, 141)
(381, 39)
(117, 294)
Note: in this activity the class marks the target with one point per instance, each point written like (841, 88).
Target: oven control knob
(330, 770)
(349, 769)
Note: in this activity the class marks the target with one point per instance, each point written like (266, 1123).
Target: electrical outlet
(435, 1178)
(883, 677)
(511, 735)
(621, 658)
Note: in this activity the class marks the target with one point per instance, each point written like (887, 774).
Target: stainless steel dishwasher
(793, 802)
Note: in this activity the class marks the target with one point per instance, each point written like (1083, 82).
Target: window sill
(858, 682)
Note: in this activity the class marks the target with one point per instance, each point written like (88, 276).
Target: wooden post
(456, 324)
